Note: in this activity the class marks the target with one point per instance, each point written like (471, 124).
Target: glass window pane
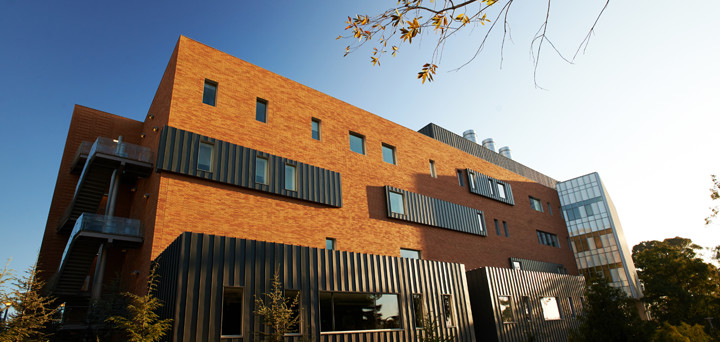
(354, 311)
(205, 156)
(501, 190)
(326, 317)
(209, 93)
(526, 307)
(497, 227)
(290, 177)
(471, 180)
(261, 110)
(396, 203)
(357, 143)
(433, 174)
(329, 243)
(550, 308)
(232, 312)
(481, 220)
(460, 177)
(409, 253)
(388, 154)
(506, 309)
(292, 300)
(418, 310)
(505, 228)
(492, 189)
(388, 312)
(261, 170)
(448, 311)
(516, 265)
(316, 129)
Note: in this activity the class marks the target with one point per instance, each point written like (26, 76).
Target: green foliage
(277, 314)
(681, 333)
(32, 313)
(679, 286)
(431, 331)
(609, 315)
(142, 323)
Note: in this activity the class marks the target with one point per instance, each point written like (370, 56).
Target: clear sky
(641, 107)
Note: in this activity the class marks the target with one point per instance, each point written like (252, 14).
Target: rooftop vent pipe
(505, 152)
(489, 144)
(470, 135)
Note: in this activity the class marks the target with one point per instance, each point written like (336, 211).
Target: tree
(682, 333)
(609, 315)
(714, 195)
(279, 315)
(141, 322)
(411, 19)
(32, 313)
(679, 286)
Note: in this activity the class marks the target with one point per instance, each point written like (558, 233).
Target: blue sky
(640, 107)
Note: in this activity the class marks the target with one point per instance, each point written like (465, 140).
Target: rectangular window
(205, 156)
(588, 210)
(497, 227)
(357, 143)
(526, 309)
(292, 301)
(535, 204)
(550, 308)
(261, 110)
(572, 308)
(471, 180)
(501, 190)
(330, 244)
(549, 208)
(433, 173)
(418, 310)
(481, 220)
(397, 203)
(548, 239)
(342, 311)
(232, 309)
(388, 154)
(448, 311)
(290, 177)
(315, 127)
(505, 228)
(210, 92)
(460, 177)
(492, 188)
(261, 170)
(506, 309)
(409, 253)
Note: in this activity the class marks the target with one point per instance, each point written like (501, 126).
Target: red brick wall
(189, 204)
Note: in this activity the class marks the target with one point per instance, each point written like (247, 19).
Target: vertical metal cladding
(443, 135)
(196, 268)
(488, 283)
(488, 187)
(538, 266)
(234, 164)
(437, 213)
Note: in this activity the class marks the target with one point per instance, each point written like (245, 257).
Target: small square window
(388, 154)
(330, 244)
(315, 128)
(535, 204)
(357, 143)
(516, 265)
(205, 156)
(501, 190)
(460, 178)
(261, 170)
(261, 110)
(290, 177)
(210, 92)
(397, 203)
(433, 173)
(409, 253)
(232, 309)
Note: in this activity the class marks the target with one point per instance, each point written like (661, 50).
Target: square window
(397, 203)
(409, 253)
(516, 265)
(315, 128)
(460, 177)
(433, 173)
(418, 310)
(357, 143)
(506, 309)
(232, 312)
(261, 170)
(290, 177)
(330, 244)
(205, 156)
(261, 110)
(535, 204)
(501, 190)
(388, 154)
(448, 311)
(209, 92)
(550, 308)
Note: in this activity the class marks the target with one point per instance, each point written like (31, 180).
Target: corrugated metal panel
(196, 267)
(488, 187)
(437, 213)
(538, 266)
(234, 164)
(443, 135)
(488, 283)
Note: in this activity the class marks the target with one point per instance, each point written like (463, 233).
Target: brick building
(238, 173)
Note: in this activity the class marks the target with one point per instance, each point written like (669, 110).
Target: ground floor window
(232, 309)
(550, 308)
(342, 311)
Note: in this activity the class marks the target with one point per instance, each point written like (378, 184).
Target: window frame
(460, 177)
(390, 202)
(497, 227)
(557, 306)
(211, 147)
(433, 171)
(352, 134)
(410, 250)
(481, 219)
(333, 242)
(509, 307)
(214, 97)
(316, 122)
(266, 175)
(393, 151)
(506, 229)
(333, 330)
(421, 319)
(266, 104)
(471, 180)
(294, 178)
(242, 313)
(453, 322)
(502, 190)
(535, 203)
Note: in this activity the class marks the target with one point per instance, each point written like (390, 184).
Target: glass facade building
(596, 236)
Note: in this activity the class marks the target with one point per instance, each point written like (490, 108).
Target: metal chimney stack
(489, 144)
(470, 135)
(505, 152)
